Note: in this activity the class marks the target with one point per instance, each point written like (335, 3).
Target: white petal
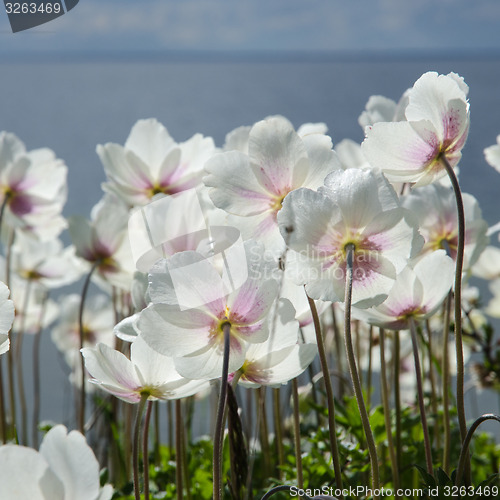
(110, 367)
(149, 140)
(277, 155)
(235, 187)
(73, 461)
(25, 474)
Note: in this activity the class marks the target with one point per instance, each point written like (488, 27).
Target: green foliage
(317, 462)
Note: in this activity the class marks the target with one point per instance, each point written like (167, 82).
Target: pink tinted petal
(277, 155)
(235, 187)
(150, 141)
(401, 150)
(252, 301)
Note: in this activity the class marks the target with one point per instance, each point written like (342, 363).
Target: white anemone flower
(104, 241)
(419, 290)
(237, 139)
(6, 317)
(281, 357)
(357, 207)
(437, 126)
(195, 336)
(436, 210)
(492, 155)
(252, 186)
(151, 162)
(98, 321)
(33, 187)
(146, 371)
(382, 109)
(45, 262)
(65, 468)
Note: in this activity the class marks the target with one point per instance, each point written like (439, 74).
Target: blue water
(72, 107)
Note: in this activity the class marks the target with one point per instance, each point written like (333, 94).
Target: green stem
(432, 380)
(358, 391)
(135, 452)
(387, 412)
(458, 299)
(397, 393)
(329, 394)
(219, 422)
(420, 393)
(36, 371)
(464, 453)
(179, 432)
(19, 365)
(296, 434)
(446, 385)
(81, 412)
(145, 455)
(10, 352)
(278, 431)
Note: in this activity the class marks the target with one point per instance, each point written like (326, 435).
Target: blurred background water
(71, 106)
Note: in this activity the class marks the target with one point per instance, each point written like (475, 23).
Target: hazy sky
(270, 25)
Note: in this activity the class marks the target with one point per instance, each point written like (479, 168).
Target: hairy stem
(296, 434)
(135, 453)
(358, 391)
(329, 395)
(458, 299)
(219, 422)
(145, 455)
(179, 432)
(420, 393)
(387, 412)
(446, 385)
(462, 461)
(81, 412)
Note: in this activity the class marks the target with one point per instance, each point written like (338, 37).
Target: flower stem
(145, 455)
(36, 371)
(458, 300)
(446, 384)
(278, 431)
(329, 394)
(81, 413)
(358, 391)
(219, 422)
(19, 365)
(396, 354)
(464, 453)
(387, 412)
(179, 432)
(296, 434)
(135, 453)
(420, 392)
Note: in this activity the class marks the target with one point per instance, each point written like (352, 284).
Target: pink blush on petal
(20, 205)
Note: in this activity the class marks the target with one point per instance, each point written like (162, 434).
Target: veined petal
(322, 159)
(430, 97)
(235, 187)
(110, 367)
(172, 332)
(436, 272)
(252, 301)
(154, 369)
(277, 155)
(207, 362)
(150, 140)
(360, 194)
